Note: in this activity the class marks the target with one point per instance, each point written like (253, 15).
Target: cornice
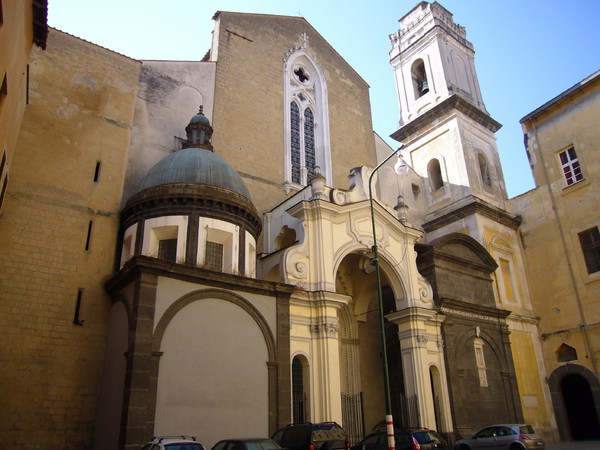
(431, 117)
(139, 264)
(183, 199)
(475, 206)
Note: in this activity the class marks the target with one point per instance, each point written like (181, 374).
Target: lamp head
(401, 167)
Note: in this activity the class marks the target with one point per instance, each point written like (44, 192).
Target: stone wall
(58, 237)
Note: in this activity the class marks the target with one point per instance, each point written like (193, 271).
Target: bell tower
(447, 133)
(432, 60)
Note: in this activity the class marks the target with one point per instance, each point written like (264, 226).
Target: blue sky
(526, 52)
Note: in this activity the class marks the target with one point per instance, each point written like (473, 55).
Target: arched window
(306, 121)
(484, 171)
(434, 172)
(300, 389)
(419, 78)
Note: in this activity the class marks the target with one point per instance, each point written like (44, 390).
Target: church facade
(170, 270)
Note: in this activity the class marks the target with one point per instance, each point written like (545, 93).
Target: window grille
(214, 256)
(167, 249)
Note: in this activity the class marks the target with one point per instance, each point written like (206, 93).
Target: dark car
(406, 439)
(246, 444)
(312, 436)
(517, 436)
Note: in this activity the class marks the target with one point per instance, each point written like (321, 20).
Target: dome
(195, 166)
(199, 118)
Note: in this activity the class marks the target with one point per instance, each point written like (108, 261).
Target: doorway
(579, 408)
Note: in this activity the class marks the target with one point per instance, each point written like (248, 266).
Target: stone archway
(575, 392)
(363, 399)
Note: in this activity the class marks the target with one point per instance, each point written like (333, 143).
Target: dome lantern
(199, 131)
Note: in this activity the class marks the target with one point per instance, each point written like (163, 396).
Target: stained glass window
(295, 141)
(309, 143)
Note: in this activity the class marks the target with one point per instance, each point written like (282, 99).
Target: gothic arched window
(306, 121)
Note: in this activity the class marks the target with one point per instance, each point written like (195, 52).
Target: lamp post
(400, 168)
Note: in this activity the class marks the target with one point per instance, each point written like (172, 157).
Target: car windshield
(265, 444)
(184, 446)
(526, 429)
(422, 437)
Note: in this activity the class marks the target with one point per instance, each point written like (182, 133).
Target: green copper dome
(195, 166)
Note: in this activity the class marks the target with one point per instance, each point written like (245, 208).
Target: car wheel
(516, 446)
(464, 447)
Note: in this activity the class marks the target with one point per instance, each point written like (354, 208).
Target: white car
(503, 437)
(173, 443)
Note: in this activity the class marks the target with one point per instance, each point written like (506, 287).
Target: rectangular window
(167, 249)
(97, 172)
(570, 166)
(89, 236)
(76, 319)
(214, 256)
(590, 245)
(3, 90)
(3, 190)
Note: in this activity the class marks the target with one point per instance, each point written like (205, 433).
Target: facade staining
(226, 286)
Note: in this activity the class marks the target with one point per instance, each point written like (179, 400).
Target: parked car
(246, 444)
(406, 439)
(500, 437)
(312, 436)
(173, 443)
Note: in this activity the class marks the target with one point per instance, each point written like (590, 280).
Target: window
(76, 319)
(97, 172)
(570, 166)
(167, 249)
(306, 124)
(302, 143)
(484, 171)
(590, 246)
(566, 353)
(480, 361)
(298, 390)
(3, 178)
(3, 90)
(89, 235)
(213, 259)
(419, 78)
(435, 175)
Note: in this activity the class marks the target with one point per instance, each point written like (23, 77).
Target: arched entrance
(579, 407)
(575, 392)
(362, 369)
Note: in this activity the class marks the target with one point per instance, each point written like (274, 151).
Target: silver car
(503, 437)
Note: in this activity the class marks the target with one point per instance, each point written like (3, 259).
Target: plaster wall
(564, 294)
(170, 93)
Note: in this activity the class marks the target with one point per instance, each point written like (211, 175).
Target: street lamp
(401, 168)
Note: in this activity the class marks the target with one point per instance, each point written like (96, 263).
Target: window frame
(590, 250)
(570, 166)
(307, 90)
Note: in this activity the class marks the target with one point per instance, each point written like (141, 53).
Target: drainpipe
(583, 326)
